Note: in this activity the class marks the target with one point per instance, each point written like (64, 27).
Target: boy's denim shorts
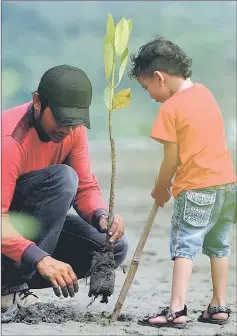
(203, 219)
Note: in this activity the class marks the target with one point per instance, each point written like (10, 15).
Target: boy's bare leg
(182, 272)
(219, 271)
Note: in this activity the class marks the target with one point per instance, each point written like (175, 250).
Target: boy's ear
(158, 75)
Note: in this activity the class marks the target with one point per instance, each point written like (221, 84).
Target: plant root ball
(102, 275)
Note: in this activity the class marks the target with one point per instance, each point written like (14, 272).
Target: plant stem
(112, 147)
(113, 166)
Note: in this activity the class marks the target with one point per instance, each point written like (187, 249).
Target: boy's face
(157, 86)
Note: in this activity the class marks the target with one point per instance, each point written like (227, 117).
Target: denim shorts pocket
(198, 207)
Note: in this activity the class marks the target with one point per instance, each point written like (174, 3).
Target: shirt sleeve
(12, 157)
(88, 201)
(164, 128)
(13, 245)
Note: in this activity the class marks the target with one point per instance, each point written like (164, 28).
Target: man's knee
(120, 250)
(64, 178)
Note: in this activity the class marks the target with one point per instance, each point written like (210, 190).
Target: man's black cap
(68, 92)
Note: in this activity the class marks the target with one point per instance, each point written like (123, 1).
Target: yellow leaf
(110, 27)
(121, 36)
(122, 99)
(108, 56)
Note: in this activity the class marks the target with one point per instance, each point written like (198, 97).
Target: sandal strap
(170, 316)
(163, 312)
(173, 315)
(218, 309)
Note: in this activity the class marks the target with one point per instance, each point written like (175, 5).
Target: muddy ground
(137, 167)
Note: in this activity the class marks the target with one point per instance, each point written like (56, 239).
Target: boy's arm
(161, 193)
(169, 165)
(164, 131)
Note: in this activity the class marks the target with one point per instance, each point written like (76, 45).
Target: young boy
(191, 129)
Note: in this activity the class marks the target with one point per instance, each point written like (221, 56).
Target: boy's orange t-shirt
(192, 119)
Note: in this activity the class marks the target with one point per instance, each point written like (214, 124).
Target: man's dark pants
(48, 194)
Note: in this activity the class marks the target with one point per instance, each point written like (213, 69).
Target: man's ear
(36, 104)
(159, 76)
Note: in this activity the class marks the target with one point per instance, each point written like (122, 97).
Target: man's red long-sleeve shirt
(23, 152)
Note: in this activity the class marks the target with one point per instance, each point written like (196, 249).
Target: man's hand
(60, 275)
(161, 196)
(117, 228)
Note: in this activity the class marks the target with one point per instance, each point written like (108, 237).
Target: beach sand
(137, 166)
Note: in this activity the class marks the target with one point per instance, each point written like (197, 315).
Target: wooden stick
(134, 264)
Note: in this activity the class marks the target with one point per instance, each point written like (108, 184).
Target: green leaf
(25, 224)
(121, 36)
(110, 27)
(122, 99)
(108, 56)
(107, 97)
(130, 25)
(123, 63)
(11, 83)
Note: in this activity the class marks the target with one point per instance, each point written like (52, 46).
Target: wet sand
(136, 171)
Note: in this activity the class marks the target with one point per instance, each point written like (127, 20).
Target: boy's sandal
(170, 317)
(214, 310)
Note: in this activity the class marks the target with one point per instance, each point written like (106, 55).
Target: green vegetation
(38, 35)
(115, 49)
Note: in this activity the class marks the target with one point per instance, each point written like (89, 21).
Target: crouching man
(45, 171)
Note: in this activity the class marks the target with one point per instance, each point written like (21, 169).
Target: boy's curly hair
(160, 55)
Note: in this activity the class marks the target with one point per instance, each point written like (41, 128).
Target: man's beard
(41, 134)
(33, 122)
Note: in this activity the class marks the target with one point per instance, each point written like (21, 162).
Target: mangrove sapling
(102, 275)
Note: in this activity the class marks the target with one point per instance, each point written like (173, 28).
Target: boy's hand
(161, 196)
(117, 228)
